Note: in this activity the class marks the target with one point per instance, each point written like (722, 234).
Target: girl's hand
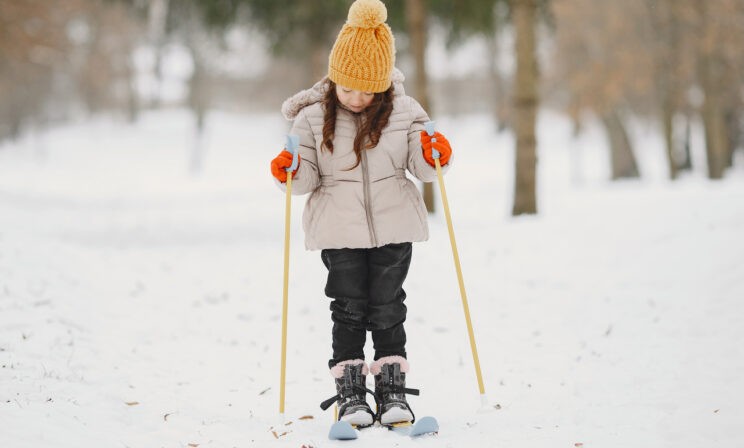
(441, 144)
(280, 164)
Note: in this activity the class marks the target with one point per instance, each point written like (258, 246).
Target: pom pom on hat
(367, 14)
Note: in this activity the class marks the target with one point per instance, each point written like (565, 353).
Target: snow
(140, 306)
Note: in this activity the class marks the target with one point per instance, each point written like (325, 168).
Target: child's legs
(388, 267)
(347, 286)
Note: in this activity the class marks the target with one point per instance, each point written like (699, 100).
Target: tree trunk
(524, 13)
(668, 81)
(732, 134)
(667, 118)
(622, 160)
(199, 103)
(157, 19)
(711, 76)
(686, 164)
(715, 134)
(133, 104)
(199, 93)
(416, 24)
(716, 146)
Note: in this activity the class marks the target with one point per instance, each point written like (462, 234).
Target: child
(359, 133)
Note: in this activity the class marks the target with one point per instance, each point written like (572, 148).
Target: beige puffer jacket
(375, 203)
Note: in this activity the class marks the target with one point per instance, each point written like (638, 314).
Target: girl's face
(354, 100)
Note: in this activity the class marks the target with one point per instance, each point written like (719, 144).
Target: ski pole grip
(293, 141)
(429, 126)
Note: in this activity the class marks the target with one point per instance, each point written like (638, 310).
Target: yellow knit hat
(364, 53)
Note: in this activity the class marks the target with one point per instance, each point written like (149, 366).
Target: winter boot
(390, 390)
(351, 389)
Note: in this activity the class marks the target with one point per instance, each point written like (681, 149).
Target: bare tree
(104, 73)
(33, 46)
(416, 23)
(642, 58)
(719, 33)
(524, 13)
(623, 161)
(671, 71)
(54, 55)
(601, 65)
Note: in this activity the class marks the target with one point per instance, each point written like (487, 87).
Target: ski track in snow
(140, 306)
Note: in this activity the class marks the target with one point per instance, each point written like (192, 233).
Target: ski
(342, 430)
(423, 426)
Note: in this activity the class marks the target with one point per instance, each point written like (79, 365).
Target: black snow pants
(366, 286)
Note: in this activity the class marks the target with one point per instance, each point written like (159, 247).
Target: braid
(330, 106)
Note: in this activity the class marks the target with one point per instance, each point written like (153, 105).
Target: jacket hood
(294, 104)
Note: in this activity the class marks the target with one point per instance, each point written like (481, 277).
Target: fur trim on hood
(294, 104)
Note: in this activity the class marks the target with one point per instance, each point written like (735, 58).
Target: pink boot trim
(337, 371)
(376, 367)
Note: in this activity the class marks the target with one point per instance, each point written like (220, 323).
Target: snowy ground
(140, 306)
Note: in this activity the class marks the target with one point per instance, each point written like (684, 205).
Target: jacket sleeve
(307, 177)
(417, 165)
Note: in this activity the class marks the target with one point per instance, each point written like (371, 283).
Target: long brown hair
(374, 119)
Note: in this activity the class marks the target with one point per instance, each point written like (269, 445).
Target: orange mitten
(280, 164)
(441, 144)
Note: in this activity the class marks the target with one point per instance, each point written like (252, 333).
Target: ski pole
(292, 143)
(435, 154)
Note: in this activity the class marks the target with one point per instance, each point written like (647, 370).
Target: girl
(359, 133)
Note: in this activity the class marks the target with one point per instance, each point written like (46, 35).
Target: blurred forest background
(670, 63)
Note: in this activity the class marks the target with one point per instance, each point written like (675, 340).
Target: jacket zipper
(367, 199)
